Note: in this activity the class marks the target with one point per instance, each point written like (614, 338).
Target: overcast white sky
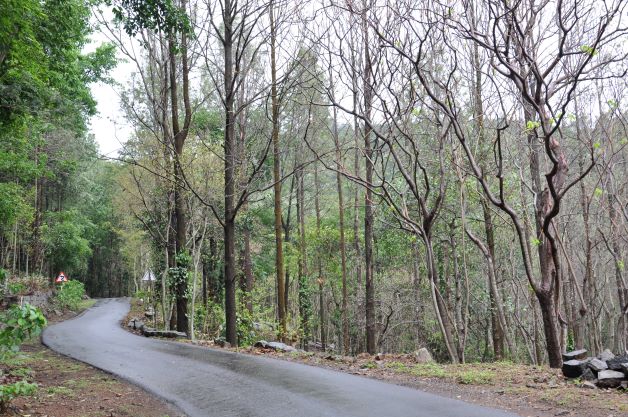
(109, 126)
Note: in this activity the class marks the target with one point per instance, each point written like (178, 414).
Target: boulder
(170, 334)
(598, 365)
(423, 356)
(135, 324)
(624, 368)
(616, 363)
(607, 355)
(260, 344)
(588, 375)
(574, 368)
(576, 354)
(588, 385)
(609, 379)
(222, 343)
(281, 347)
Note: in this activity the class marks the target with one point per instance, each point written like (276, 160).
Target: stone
(170, 334)
(423, 356)
(278, 346)
(260, 344)
(624, 368)
(609, 379)
(624, 385)
(574, 368)
(598, 365)
(616, 363)
(588, 385)
(135, 324)
(576, 354)
(607, 355)
(588, 375)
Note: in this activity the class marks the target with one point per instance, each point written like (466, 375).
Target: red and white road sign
(61, 278)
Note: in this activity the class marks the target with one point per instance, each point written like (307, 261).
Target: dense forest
(357, 176)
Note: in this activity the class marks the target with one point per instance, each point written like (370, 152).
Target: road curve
(205, 382)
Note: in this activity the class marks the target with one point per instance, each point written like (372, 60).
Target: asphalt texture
(205, 382)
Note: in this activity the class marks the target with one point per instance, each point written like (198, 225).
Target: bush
(20, 323)
(70, 295)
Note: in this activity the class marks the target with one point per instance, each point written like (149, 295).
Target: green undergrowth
(468, 374)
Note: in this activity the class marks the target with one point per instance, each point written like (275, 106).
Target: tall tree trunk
(368, 198)
(279, 262)
(341, 226)
(230, 180)
(321, 280)
(304, 307)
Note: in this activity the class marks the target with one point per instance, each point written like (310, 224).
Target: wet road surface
(205, 382)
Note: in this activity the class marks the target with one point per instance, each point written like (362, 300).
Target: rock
(588, 375)
(260, 344)
(282, 347)
(574, 368)
(588, 385)
(576, 354)
(616, 363)
(607, 355)
(170, 334)
(222, 343)
(624, 385)
(598, 365)
(423, 356)
(135, 324)
(562, 413)
(609, 379)
(624, 368)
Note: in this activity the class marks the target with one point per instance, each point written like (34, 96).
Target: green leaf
(531, 125)
(589, 50)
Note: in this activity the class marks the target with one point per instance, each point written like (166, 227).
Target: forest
(352, 176)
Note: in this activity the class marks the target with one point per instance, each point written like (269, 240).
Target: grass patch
(475, 377)
(85, 304)
(60, 390)
(429, 370)
(22, 372)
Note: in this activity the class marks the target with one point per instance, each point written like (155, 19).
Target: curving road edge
(205, 382)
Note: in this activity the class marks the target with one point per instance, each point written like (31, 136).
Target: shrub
(70, 295)
(20, 323)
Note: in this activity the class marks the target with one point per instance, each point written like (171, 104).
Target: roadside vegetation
(369, 177)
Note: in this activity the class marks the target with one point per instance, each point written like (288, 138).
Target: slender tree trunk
(321, 280)
(304, 302)
(230, 180)
(368, 198)
(279, 262)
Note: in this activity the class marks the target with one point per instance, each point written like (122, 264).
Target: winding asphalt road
(206, 382)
